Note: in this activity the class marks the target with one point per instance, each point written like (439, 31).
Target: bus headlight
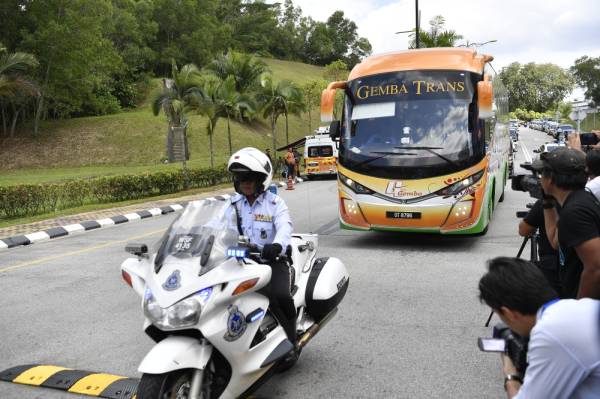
(354, 186)
(458, 187)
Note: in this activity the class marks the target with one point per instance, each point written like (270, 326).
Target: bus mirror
(327, 103)
(334, 130)
(485, 99)
(328, 100)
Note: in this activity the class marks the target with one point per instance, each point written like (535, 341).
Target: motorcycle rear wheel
(174, 385)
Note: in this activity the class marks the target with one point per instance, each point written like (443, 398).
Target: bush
(33, 199)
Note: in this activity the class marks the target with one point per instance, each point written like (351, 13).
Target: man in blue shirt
(264, 218)
(564, 335)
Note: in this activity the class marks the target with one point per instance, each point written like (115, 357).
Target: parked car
(562, 132)
(548, 147)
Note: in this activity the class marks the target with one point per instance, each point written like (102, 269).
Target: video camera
(504, 340)
(528, 183)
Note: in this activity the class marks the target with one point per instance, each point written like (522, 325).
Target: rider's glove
(271, 251)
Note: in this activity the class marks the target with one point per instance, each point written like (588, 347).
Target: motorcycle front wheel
(174, 385)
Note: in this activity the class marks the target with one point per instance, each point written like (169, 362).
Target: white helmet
(251, 160)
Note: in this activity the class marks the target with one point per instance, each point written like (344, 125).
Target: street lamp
(417, 24)
(473, 44)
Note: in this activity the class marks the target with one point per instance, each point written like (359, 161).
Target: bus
(320, 154)
(423, 142)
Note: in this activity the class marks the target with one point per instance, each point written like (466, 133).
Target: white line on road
(525, 152)
(80, 251)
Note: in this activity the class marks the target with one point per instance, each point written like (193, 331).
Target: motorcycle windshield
(205, 230)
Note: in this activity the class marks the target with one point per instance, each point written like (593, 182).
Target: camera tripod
(533, 250)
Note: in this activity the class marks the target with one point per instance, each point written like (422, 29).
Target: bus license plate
(403, 215)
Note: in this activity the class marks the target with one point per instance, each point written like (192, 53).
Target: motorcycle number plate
(403, 215)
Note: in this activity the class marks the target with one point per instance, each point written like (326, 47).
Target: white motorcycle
(205, 307)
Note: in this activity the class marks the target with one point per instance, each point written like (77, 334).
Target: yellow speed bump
(37, 375)
(94, 384)
(76, 381)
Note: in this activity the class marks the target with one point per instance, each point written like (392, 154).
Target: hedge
(33, 199)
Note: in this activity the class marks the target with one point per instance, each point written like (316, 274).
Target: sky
(556, 31)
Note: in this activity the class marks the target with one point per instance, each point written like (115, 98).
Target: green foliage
(177, 93)
(244, 69)
(537, 87)
(276, 99)
(311, 93)
(32, 199)
(96, 57)
(436, 36)
(587, 74)
(76, 59)
(336, 71)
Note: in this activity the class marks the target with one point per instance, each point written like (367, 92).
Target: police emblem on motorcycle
(236, 324)
(173, 281)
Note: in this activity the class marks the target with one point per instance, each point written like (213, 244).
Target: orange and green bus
(423, 142)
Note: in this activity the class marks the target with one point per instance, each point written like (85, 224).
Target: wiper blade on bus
(384, 154)
(431, 150)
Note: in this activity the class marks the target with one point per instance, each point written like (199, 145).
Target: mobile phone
(491, 344)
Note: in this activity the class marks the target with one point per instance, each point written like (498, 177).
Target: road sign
(578, 114)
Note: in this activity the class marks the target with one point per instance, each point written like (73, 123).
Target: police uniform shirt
(266, 221)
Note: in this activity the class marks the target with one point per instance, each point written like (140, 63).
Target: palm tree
(219, 99)
(175, 97)
(234, 104)
(294, 105)
(15, 88)
(245, 69)
(275, 100)
(436, 36)
(177, 93)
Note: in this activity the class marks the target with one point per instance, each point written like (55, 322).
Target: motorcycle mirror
(207, 249)
(137, 249)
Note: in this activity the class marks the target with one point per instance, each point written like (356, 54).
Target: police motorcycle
(204, 305)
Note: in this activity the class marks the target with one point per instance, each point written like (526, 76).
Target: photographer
(564, 336)
(576, 233)
(592, 163)
(547, 256)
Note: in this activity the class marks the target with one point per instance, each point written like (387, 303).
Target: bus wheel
(501, 199)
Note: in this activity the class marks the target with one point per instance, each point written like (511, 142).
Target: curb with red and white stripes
(61, 231)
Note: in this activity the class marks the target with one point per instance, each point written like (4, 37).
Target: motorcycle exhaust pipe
(315, 328)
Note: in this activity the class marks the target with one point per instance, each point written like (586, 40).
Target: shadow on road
(395, 240)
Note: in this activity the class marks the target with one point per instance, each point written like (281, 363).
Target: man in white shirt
(564, 335)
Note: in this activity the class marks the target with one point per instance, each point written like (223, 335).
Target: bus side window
(487, 129)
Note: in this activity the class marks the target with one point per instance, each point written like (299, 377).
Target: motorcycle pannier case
(327, 285)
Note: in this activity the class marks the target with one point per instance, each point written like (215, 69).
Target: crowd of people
(555, 303)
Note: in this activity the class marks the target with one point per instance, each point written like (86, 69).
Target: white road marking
(526, 152)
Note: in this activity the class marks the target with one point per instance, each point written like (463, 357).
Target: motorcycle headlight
(182, 314)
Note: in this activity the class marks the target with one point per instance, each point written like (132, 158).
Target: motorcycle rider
(264, 218)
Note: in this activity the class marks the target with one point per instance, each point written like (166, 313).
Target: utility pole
(417, 23)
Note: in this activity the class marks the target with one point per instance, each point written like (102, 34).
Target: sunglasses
(245, 177)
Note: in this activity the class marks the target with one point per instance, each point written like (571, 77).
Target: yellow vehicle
(424, 143)
(320, 154)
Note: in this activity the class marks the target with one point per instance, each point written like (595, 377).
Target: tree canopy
(587, 74)
(96, 57)
(536, 87)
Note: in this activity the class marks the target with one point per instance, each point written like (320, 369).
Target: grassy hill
(135, 140)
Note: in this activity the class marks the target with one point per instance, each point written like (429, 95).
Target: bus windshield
(412, 124)
(320, 151)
